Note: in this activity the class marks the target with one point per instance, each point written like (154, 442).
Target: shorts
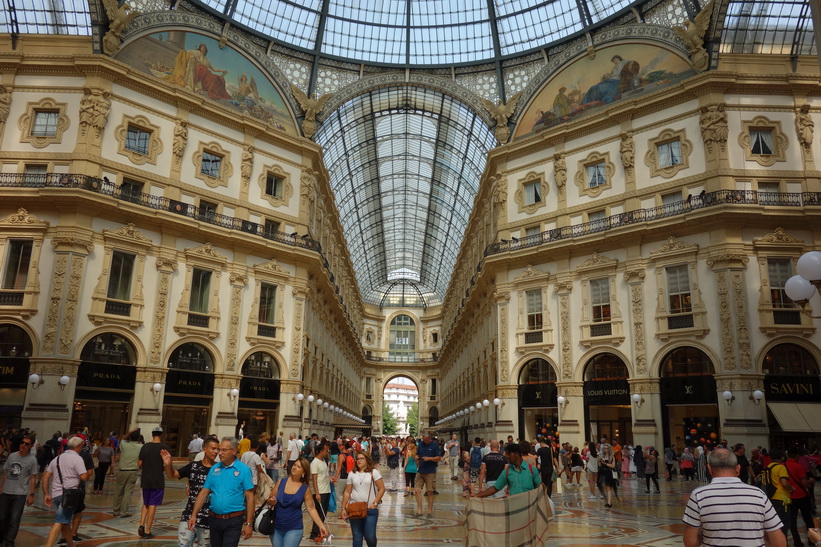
(410, 479)
(474, 474)
(334, 458)
(427, 480)
(577, 469)
(61, 515)
(153, 496)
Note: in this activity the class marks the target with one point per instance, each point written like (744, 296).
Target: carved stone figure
(805, 126)
(560, 171)
(692, 34)
(247, 163)
(5, 103)
(312, 108)
(500, 191)
(628, 151)
(94, 108)
(502, 113)
(180, 139)
(714, 127)
(119, 17)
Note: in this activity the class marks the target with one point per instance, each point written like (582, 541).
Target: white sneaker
(591, 497)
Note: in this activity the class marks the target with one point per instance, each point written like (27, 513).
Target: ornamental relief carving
(503, 341)
(55, 299)
(725, 313)
(779, 237)
(205, 251)
(742, 328)
(161, 310)
(672, 246)
(151, 375)
(233, 322)
(637, 303)
(531, 273)
(22, 218)
(70, 305)
(94, 108)
(564, 318)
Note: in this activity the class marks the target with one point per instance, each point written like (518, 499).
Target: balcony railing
(786, 317)
(701, 201)
(601, 329)
(11, 298)
(533, 337)
(117, 308)
(267, 331)
(195, 320)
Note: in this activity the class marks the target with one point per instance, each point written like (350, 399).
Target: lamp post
(802, 287)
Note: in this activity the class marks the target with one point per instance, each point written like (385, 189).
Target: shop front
(688, 392)
(792, 390)
(15, 350)
(538, 408)
(258, 396)
(607, 399)
(105, 387)
(189, 394)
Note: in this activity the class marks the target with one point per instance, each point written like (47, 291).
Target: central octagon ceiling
(405, 164)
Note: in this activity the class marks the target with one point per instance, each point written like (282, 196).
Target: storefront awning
(797, 417)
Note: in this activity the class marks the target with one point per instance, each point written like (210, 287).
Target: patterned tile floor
(639, 519)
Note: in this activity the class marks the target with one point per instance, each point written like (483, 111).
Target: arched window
(109, 348)
(789, 360)
(686, 361)
(606, 366)
(260, 365)
(402, 339)
(433, 416)
(192, 356)
(14, 342)
(537, 371)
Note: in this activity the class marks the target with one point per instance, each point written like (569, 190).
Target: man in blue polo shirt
(231, 512)
(428, 456)
(518, 477)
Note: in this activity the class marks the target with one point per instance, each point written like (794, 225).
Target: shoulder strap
(59, 472)
(797, 481)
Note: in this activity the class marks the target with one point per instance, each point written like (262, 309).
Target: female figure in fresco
(193, 70)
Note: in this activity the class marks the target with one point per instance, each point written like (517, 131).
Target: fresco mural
(618, 72)
(197, 63)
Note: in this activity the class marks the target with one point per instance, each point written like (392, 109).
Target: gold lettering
(6, 370)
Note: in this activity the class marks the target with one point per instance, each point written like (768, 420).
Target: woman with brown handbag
(362, 496)
(289, 494)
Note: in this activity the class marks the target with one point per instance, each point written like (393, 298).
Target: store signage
(537, 395)
(607, 392)
(106, 376)
(14, 372)
(259, 388)
(188, 382)
(795, 389)
(689, 390)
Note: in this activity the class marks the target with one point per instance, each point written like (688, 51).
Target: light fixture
(233, 393)
(36, 381)
(327, 405)
(485, 403)
(156, 388)
(310, 399)
(498, 402)
(728, 396)
(638, 399)
(332, 408)
(478, 406)
(562, 400)
(802, 287)
(319, 402)
(756, 396)
(63, 381)
(299, 397)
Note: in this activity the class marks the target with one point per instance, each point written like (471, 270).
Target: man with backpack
(309, 449)
(775, 481)
(475, 461)
(517, 477)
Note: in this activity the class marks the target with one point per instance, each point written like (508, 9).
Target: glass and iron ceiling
(405, 162)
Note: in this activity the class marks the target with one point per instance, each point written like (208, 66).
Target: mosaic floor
(639, 519)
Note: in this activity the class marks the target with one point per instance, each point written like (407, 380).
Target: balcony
(113, 307)
(680, 321)
(11, 298)
(266, 331)
(196, 320)
(534, 337)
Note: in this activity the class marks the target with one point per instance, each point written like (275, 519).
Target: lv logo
(688, 390)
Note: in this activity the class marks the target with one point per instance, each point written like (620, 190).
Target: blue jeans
(186, 537)
(291, 538)
(365, 528)
(226, 532)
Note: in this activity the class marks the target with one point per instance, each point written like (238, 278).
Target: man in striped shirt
(729, 512)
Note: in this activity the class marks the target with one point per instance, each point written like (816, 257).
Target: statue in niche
(805, 126)
(560, 171)
(94, 108)
(247, 164)
(180, 139)
(627, 150)
(714, 126)
(5, 103)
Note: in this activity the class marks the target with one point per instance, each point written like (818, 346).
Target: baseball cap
(157, 431)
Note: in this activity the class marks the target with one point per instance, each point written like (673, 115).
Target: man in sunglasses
(18, 489)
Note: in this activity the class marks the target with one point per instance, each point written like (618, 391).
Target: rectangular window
(271, 227)
(433, 387)
(435, 337)
(17, 264)
(761, 141)
(137, 139)
(669, 153)
(532, 231)
(267, 303)
(35, 173)
(533, 193)
(779, 270)
(131, 190)
(369, 387)
(678, 289)
(534, 309)
(211, 165)
(200, 288)
(45, 123)
(670, 199)
(119, 277)
(273, 185)
(207, 211)
(600, 299)
(596, 175)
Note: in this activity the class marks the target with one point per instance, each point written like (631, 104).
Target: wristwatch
(248, 524)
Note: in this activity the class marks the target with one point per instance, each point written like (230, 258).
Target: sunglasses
(27, 443)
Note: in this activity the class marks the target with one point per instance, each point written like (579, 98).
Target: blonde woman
(410, 477)
(364, 485)
(288, 496)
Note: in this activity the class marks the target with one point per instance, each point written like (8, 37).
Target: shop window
(15, 343)
(109, 348)
(191, 357)
(686, 361)
(606, 366)
(790, 360)
(537, 371)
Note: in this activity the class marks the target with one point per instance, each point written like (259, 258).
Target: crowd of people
(231, 479)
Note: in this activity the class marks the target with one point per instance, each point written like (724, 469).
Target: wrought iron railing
(11, 298)
(117, 308)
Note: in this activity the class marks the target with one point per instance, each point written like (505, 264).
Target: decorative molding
(206, 252)
(246, 166)
(725, 315)
(128, 234)
(70, 305)
(166, 267)
(119, 19)
(155, 145)
(715, 129)
(598, 262)
(805, 128)
(627, 151)
(180, 140)
(531, 273)
(674, 246)
(226, 167)
(778, 238)
(564, 322)
(287, 187)
(651, 158)
(26, 122)
(55, 300)
(581, 174)
(637, 310)
(5, 103)
(780, 141)
(68, 242)
(22, 218)
(503, 340)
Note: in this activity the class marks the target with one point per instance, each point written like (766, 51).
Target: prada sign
(259, 388)
(607, 392)
(106, 376)
(537, 395)
(188, 382)
(14, 372)
(794, 389)
(689, 390)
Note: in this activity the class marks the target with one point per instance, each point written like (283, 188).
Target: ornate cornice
(23, 218)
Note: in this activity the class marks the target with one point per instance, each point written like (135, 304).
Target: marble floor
(637, 519)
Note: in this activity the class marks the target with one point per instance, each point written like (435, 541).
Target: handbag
(359, 509)
(71, 496)
(264, 518)
(615, 474)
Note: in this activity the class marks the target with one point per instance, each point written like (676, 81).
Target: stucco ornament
(311, 107)
(119, 17)
(805, 127)
(180, 139)
(560, 171)
(692, 34)
(502, 113)
(94, 108)
(627, 149)
(5, 103)
(714, 126)
(247, 165)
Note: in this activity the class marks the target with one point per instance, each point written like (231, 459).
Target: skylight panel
(451, 44)
(294, 24)
(364, 42)
(69, 17)
(375, 12)
(534, 28)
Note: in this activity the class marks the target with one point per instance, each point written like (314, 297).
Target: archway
(538, 409)
(15, 349)
(189, 394)
(400, 407)
(258, 395)
(607, 398)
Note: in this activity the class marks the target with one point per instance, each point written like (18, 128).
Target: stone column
(223, 407)
(571, 417)
(289, 420)
(147, 402)
(647, 416)
(742, 421)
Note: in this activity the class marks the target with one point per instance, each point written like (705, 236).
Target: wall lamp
(728, 396)
(36, 381)
(756, 396)
(233, 393)
(156, 388)
(498, 402)
(63, 382)
(638, 399)
(478, 406)
(802, 287)
(563, 401)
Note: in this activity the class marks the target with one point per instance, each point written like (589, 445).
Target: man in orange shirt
(617, 453)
